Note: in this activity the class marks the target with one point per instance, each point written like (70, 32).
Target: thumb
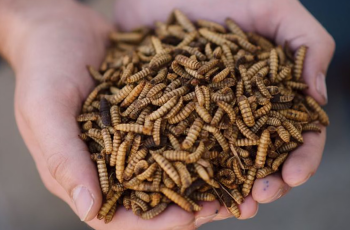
(52, 125)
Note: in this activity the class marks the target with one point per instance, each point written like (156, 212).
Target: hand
(279, 20)
(49, 44)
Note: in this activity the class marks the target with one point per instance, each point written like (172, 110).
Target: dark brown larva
(192, 112)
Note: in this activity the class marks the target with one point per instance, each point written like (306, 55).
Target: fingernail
(83, 201)
(202, 220)
(303, 181)
(256, 212)
(183, 227)
(321, 86)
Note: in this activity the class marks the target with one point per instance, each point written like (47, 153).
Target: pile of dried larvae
(193, 112)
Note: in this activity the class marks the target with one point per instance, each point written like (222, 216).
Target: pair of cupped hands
(49, 43)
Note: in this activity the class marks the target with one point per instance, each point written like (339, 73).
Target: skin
(49, 43)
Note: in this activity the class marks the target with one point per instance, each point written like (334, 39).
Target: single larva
(294, 132)
(246, 111)
(273, 65)
(245, 130)
(107, 140)
(106, 207)
(203, 113)
(102, 172)
(248, 183)
(168, 168)
(279, 161)
(299, 62)
(323, 117)
(228, 109)
(177, 198)
(208, 66)
(193, 134)
(259, 123)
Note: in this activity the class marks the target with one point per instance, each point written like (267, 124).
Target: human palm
(57, 42)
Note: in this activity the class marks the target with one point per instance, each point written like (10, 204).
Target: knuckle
(330, 42)
(57, 165)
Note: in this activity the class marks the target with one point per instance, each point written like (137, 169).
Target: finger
(209, 211)
(172, 218)
(269, 189)
(299, 27)
(33, 146)
(303, 162)
(249, 208)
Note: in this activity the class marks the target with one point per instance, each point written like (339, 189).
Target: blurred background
(322, 203)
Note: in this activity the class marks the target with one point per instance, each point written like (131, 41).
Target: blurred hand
(279, 20)
(49, 44)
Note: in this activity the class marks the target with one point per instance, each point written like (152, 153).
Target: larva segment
(196, 155)
(246, 111)
(203, 196)
(193, 133)
(129, 170)
(218, 136)
(184, 21)
(259, 123)
(159, 60)
(234, 28)
(246, 142)
(156, 131)
(158, 209)
(248, 183)
(203, 113)
(107, 140)
(283, 134)
(185, 175)
(245, 130)
(255, 68)
(295, 115)
(234, 209)
(115, 115)
(163, 109)
(103, 174)
(216, 38)
(262, 149)
(273, 59)
(105, 112)
(263, 110)
(148, 172)
(208, 66)
(200, 95)
(176, 155)
(120, 162)
(246, 81)
(293, 131)
(311, 127)
(177, 198)
(287, 147)
(322, 116)
(120, 96)
(279, 161)
(168, 168)
(110, 214)
(135, 128)
(299, 62)
(262, 88)
(187, 39)
(264, 172)
(187, 62)
(108, 205)
(133, 94)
